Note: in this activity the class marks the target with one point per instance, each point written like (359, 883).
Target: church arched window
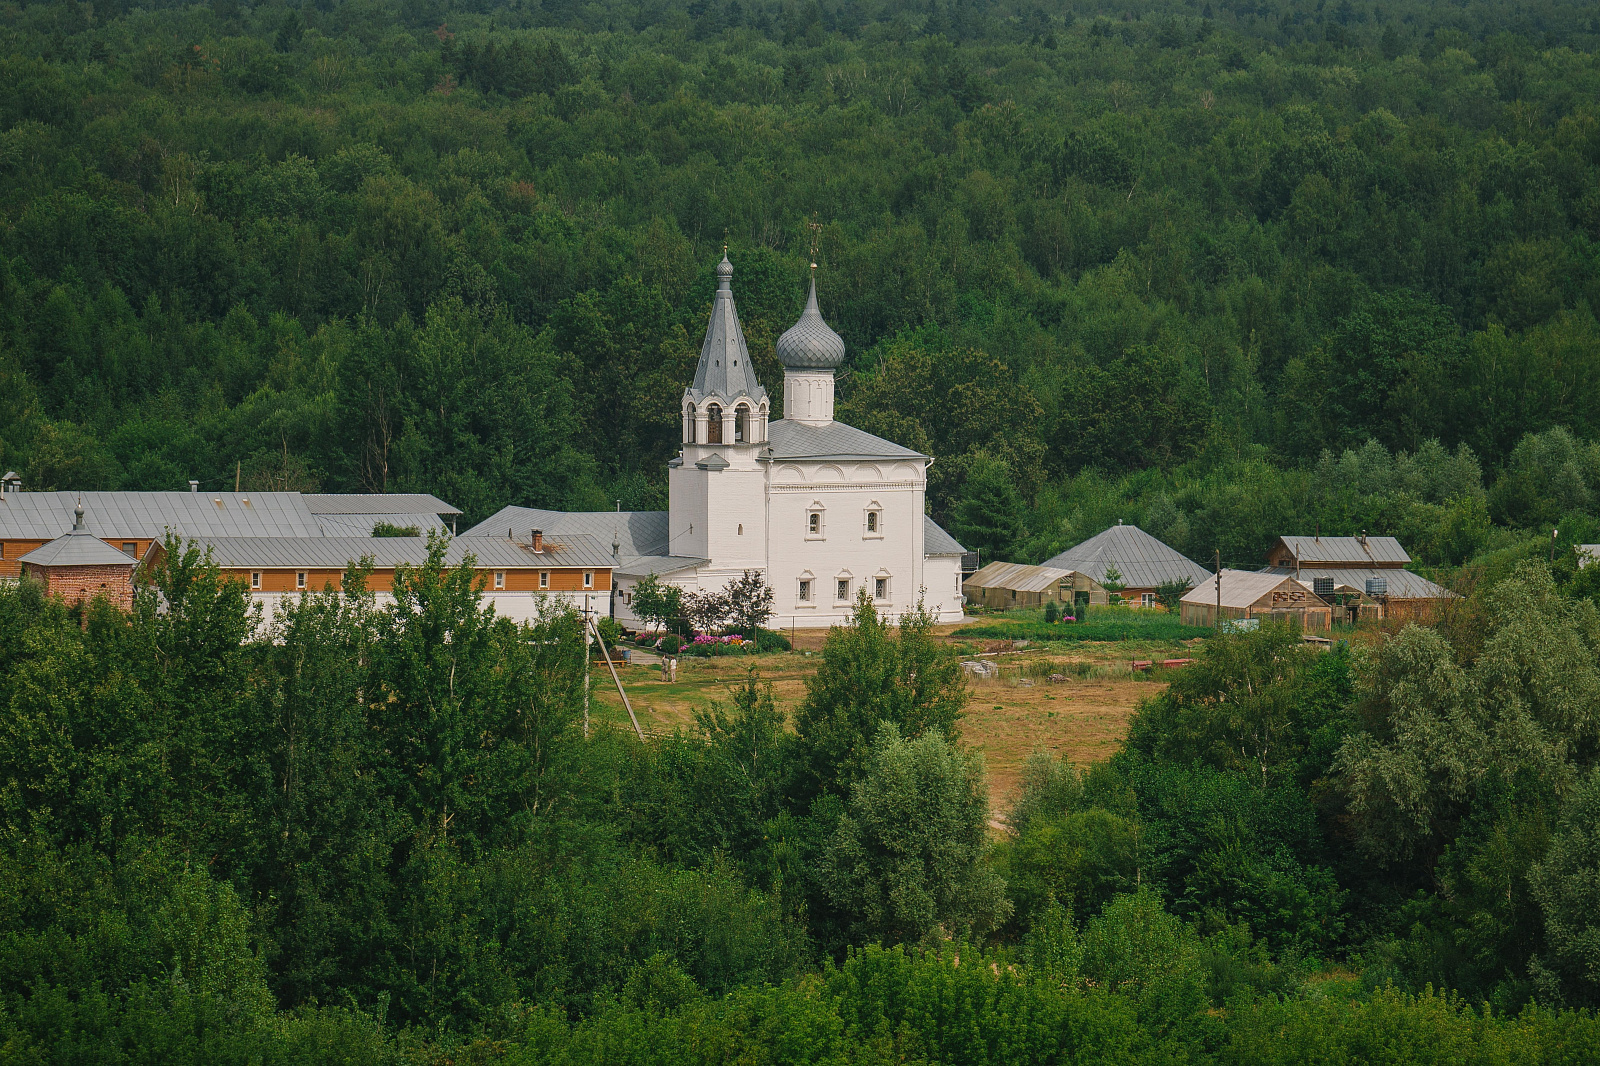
(713, 424)
(741, 424)
(689, 436)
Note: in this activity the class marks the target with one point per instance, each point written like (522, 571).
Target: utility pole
(1219, 590)
(587, 628)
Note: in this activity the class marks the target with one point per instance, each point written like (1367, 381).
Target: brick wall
(72, 584)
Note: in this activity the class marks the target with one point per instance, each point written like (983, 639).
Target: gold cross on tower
(816, 229)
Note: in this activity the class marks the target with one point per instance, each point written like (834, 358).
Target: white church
(822, 509)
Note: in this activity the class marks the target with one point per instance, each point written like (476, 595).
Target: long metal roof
(1403, 584)
(935, 541)
(1142, 560)
(637, 532)
(113, 515)
(1018, 577)
(788, 439)
(1244, 588)
(335, 553)
(360, 525)
(376, 503)
(1346, 551)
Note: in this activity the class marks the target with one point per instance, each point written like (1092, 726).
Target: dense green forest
(1152, 261)
(387, 837)
(1224, 269)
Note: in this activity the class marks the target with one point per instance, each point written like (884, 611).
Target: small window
(844, 589)
(805, 591)
(300, 579)
(1147, 599)
(741, 529)
(813, 523)
(130, 547)
(588, 579)
(872, 521)
(544, 579)
(255, 579)
(880, 588)
(499, 579)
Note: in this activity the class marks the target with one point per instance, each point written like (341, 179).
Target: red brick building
(78, 566)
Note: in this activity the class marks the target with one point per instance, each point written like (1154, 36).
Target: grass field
(1083, 718)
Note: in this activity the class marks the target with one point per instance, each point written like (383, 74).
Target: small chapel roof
(935, 541)
(725, 371)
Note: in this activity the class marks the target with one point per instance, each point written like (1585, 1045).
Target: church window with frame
(880, 588)
(741, 424)
(816, 528)
(843, 590)
(713, 424)
(872, 524)
(690, 435)
(805, 591)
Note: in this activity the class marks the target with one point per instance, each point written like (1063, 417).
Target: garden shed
(999, 586)
(1248, 594)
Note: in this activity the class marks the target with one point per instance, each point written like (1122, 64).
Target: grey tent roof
(376, 503)
(935, 541)
(1142, 560)
(788, 439)
(1346, 551)
(114, 515)
(1403, 584)
(725, 371)
(810, 344)
(335, 553)
(360, 525)
(637, 532)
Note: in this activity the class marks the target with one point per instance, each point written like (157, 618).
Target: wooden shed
(1004, 585)
(1249, 594)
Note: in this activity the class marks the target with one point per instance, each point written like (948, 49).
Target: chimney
(538, 540)
(194, 486)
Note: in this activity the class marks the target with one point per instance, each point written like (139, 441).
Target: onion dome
(809, 344)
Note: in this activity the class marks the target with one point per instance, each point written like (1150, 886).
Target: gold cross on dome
(816, 229)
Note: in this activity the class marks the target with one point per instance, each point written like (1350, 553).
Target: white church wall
(942, 575)
(843, 494)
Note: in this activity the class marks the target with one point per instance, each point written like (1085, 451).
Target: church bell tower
(717, 484)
